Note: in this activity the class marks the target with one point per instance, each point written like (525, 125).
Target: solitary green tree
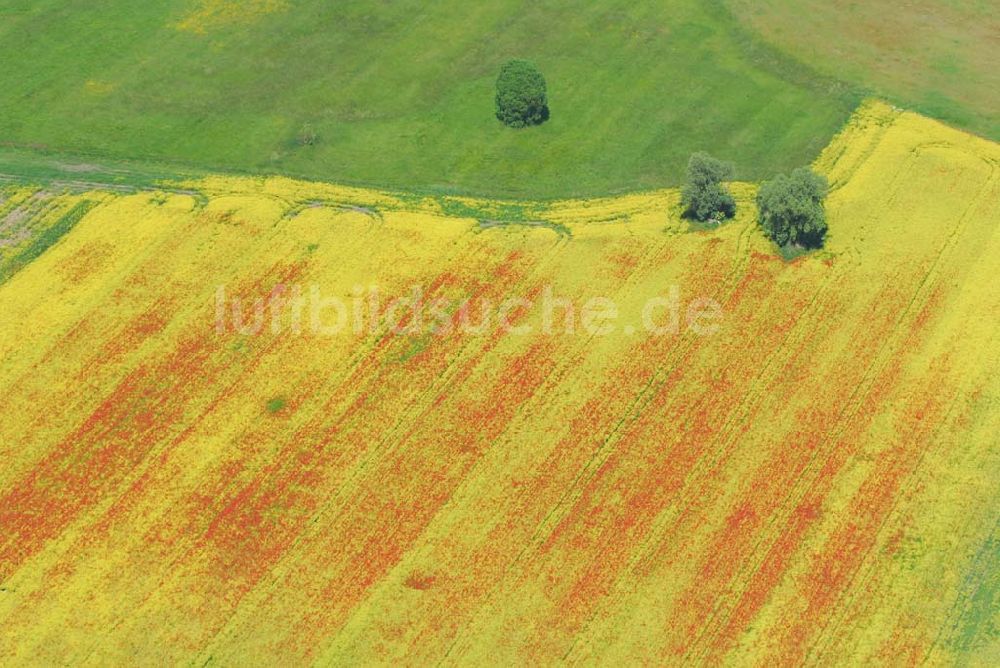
(704, 197)
(521, 95)
(791, 209)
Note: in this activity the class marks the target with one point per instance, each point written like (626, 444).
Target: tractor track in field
(796, 334)
(411, 416)
(561, 371)
(635, 409)
(924, 289)
(851, 408)
(645, 551)
(202, 198)
(780, 518)
(852, 405)
(641, 401)
(194, 546)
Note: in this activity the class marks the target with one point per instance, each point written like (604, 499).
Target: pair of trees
(790, 206)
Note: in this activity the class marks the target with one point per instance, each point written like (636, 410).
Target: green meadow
(400, 95)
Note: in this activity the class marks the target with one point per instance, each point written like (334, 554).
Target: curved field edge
(22, 197)
(815, 483)
(938, 58)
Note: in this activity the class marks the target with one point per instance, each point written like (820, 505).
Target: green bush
(704, 197)
(521, 95)
(791, 209)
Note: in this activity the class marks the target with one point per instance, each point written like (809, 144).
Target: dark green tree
(521, 99)
(704, 197)
(791, 209)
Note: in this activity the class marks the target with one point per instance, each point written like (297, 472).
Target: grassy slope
(936, 56)
(401, 94)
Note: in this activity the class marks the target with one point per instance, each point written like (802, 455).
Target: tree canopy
(522, 98)
(704, 197)
(791, 209)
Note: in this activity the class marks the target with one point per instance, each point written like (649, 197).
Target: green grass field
(939, 57)
(400, 94)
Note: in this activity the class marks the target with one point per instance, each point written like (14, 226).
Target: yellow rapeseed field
(225, 444)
